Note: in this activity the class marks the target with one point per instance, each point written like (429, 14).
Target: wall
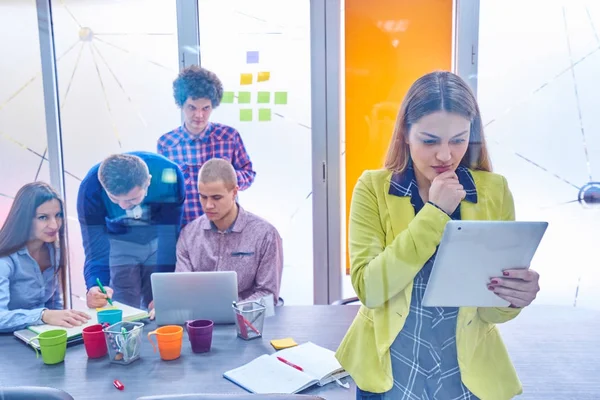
(116, 63)
(539, 64)
(389, 44)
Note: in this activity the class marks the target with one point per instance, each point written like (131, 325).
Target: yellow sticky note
(279, 344)
(246, 79)
(263, 76)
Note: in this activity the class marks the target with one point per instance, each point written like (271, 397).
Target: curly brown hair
(197, 83)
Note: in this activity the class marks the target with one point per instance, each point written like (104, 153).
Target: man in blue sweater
(129, 208)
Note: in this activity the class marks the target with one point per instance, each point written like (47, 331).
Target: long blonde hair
(438, 91)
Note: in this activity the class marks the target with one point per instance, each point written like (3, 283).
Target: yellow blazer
(388, 245)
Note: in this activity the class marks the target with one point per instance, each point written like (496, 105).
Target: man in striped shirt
(198, 92)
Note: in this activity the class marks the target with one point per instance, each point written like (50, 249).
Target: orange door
(389, 44)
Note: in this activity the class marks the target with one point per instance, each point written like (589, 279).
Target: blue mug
(110, 316)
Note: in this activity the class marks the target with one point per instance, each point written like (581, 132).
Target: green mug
(53, 345)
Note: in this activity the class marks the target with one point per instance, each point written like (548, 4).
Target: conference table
(85, 378)
(555, 349)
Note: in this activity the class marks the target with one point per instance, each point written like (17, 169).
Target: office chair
(243, 396)
(33, 392)
(343, 302)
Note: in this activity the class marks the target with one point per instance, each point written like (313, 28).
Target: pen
(103, 291)
(251, 326)
(283, 360)
(243, 321)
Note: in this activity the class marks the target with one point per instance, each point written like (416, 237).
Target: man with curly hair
(198, 92)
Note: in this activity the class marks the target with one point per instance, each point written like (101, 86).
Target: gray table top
(85, 378)
(555, 349)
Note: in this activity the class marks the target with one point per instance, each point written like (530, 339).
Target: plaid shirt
(424, 356)
(191, 151)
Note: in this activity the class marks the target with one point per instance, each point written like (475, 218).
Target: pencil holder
(250, 317)
(124, 341)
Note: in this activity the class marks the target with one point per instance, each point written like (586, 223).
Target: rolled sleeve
(242, 164)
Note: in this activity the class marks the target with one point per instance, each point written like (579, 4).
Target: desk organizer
(250, 317)
(124, 341)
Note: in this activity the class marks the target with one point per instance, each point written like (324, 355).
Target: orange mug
(170, 339)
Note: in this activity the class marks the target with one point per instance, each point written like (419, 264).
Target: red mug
(94, 341)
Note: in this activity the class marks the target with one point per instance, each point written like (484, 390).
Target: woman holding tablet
(32, 268)
(437, 169)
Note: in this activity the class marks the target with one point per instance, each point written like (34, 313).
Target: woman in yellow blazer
(437, 168)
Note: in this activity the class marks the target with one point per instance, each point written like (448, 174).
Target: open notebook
(129, 314)
(267, 374)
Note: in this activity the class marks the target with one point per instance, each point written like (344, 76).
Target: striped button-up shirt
(191, 151)
(251, 247)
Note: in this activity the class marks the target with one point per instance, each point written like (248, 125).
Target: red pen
(251, 326)
(283, 360)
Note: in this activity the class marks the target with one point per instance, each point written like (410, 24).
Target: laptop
(183, 296)
(473, 252)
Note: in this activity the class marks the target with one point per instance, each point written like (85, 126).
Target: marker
(118, 384)
(283, 360)
(103, 291)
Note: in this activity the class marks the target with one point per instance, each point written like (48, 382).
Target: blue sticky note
(252, 57)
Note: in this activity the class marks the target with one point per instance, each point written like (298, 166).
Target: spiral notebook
(267, 374)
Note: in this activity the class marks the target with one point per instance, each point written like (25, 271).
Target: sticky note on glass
(227, 97)
(252, 57)
(264, 97)
(246, 115)
(244, 97)
(264, 114)
(280, 97)
(246, 79)
(279, 344)
(263, 76)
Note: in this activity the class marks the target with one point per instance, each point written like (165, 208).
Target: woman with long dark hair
(32, 262)
(437, 169)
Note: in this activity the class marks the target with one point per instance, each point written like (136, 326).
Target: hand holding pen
(98, 296)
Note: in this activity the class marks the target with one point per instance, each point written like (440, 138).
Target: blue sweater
(101, 219)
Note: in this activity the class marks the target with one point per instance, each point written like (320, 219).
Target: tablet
(471, 253)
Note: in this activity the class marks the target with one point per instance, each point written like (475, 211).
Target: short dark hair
(197, 83)
(120, 173)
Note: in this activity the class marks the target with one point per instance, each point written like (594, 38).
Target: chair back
(33, 392)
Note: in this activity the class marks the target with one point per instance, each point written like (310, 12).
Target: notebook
(73, 334)
(267, 374)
